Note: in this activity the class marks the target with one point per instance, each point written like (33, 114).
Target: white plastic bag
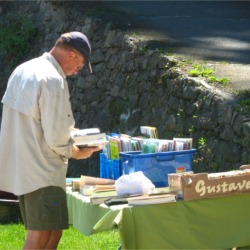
(134, 184)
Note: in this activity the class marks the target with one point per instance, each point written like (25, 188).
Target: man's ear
(70, 54)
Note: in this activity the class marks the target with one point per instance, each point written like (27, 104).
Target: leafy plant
(16, 37)
(244, 101)
(135, 35)
(244, 105)
(200, 70)
(192, 130)
(202, 142)
(223, 81)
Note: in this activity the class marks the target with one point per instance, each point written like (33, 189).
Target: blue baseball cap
(81, 43)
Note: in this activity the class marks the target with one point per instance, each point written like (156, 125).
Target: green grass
(12, 236)
(208, 72)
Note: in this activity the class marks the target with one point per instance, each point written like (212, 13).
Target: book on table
(101, 195)
(96, 181)
(108, 195)
(98, 189)
(151, 199)
(88, 137)
(104, 188)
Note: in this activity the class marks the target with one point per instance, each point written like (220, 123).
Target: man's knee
(54, 239)
(56, 234)
(37, 239)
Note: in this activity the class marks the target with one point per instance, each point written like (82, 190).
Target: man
(35, 141)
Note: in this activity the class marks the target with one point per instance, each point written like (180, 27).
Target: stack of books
(88, 137)
(121, 143)
(125, 143)
(102, 194)
(164, 145)
(149, 132)
(110, 198)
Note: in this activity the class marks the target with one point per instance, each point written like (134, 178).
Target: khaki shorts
(44, 209)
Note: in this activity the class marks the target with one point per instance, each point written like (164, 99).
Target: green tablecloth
(215, 223)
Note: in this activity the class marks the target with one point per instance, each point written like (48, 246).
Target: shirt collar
(54, 62)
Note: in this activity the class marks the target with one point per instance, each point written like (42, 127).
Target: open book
(88, 137)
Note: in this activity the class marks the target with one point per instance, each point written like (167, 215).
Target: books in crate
(88, 137)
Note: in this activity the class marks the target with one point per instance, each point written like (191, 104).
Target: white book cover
(84, 132)
(88, 137)
(152, 199)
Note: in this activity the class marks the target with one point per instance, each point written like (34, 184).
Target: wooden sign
(191, 186)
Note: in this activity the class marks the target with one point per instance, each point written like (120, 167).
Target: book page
(82, 132)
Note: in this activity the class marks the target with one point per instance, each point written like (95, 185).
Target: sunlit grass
(12, 236)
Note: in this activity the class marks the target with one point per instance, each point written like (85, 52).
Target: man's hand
(245, 167)
(83, 153)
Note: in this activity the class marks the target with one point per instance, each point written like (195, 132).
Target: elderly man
(35, 141)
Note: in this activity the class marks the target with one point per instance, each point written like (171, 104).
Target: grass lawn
(12, 236)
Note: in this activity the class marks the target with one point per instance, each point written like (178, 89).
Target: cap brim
(88, 67)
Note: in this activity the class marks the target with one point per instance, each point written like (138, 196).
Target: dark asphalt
(207, 30)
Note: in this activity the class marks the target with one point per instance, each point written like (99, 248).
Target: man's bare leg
(55, 237)
(46, 239)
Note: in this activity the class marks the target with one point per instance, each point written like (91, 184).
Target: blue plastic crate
(110, 169)
(157, 166)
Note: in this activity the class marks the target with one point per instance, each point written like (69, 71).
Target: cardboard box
(190, 186)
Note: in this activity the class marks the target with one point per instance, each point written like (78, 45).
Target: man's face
(74, 63)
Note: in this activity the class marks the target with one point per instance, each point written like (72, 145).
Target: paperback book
(151, 199)
(89, 137)
(100, 197)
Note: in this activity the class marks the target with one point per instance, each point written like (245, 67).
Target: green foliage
(16, 37)
(192, 130)
(135, 35)
(202, 142)
(244, 101)
(200, 70)
(73, 239)
(224, 81)
(12, 236)
(244, 106)
(208, 73)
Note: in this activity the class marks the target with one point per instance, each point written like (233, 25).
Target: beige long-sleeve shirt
(35, 141)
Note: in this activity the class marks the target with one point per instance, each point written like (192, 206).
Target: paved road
(217, 31)
(210, 30)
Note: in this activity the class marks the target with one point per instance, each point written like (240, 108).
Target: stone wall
(133, 86)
